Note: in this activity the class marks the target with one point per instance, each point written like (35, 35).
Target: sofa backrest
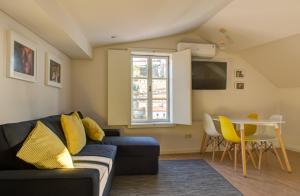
(54, 123)
(12, 136)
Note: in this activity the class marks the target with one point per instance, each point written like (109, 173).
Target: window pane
(159, 67)
(159, 109)
(139, 88)
(159, 89)
(139, 110)
(139, 67)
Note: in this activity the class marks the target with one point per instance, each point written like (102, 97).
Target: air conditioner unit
(198, 50)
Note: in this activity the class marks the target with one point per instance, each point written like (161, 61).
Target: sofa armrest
(58, 182)
(112, 132)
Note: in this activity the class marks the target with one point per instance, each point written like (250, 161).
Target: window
(150, 89)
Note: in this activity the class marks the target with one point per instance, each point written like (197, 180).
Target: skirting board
(180, 151)
(197, 150)
(183, 151)
(293, 148)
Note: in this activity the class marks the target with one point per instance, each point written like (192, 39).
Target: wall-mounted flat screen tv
(209, 75)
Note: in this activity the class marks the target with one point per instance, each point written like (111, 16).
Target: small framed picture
(54, 70)
(239, 85)
(22, 55)
(239, 73)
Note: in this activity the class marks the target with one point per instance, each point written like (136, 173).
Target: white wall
(21, 100)
(290, 108)
(89, 78)
(279, 62)
(259, 95)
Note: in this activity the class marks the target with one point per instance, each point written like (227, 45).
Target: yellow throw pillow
(74, 132)
(92, 129)
(77, 115)
(44, 149)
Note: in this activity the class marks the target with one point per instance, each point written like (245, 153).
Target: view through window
(150, 89)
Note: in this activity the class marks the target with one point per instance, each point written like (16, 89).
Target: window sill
(151, 125)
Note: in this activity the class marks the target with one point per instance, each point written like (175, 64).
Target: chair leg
(229, 151)
(253, 144)
(213, 149)
(260, 156)
(219, 142)
(277, 156)
(235, 156)
(206, 143)
(203, 142)
(251, 156)
(229, 154)
(225, 150)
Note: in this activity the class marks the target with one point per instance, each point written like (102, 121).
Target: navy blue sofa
(128, 155)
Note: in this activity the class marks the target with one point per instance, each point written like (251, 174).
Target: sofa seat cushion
(103, 173)
(108, 151)
(108, 162)
(134, 146)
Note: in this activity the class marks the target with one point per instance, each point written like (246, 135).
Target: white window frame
(149, 92)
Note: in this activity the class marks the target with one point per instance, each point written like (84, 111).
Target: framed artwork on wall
(239, 74)
(239, 85)
(54, 70)
(22, 58)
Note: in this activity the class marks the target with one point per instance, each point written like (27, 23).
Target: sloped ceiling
(50, 21)
(266, 33)
(132, 20)
(279, 61)
(250, 23)
(73, 26)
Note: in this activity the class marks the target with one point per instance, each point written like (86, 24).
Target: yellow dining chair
(233, 140)
(250, 129)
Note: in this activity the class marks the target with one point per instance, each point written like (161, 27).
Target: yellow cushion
(92, 129)
(44, 149)
(77, 115)
(74, 132)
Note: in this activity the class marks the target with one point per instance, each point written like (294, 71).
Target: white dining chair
(278, 117)
(266, 142)
(212, 137)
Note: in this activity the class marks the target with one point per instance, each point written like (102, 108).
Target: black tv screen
(209, 75)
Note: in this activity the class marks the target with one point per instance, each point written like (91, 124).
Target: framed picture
(239, 73)
(22, 55)
(54, 71)
(239, 85)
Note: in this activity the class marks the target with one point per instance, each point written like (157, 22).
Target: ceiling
(252, 27)
(75, 26)
(279, 61)
(250, 23)
(49, 21)
(266, 33)
(131, 20)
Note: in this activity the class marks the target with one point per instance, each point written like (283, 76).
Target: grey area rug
(176, 178)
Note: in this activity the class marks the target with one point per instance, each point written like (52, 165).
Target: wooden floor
(271, 180)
